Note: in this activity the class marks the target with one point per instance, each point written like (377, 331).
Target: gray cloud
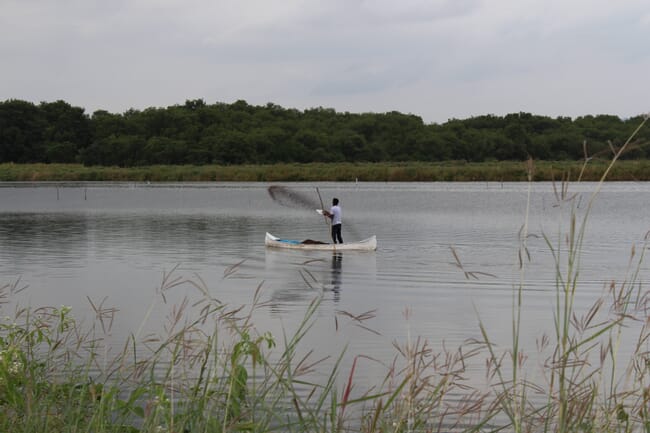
(435, 58)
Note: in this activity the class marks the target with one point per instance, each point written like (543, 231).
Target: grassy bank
(638, 170)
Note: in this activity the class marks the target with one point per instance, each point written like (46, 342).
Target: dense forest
(239, 133)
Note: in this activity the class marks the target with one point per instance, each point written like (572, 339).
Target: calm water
(112, 243)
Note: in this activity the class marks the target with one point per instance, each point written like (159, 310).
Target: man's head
(335, 201)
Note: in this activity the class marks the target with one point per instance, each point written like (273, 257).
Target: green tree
(66, 123)
(22, 130)
(105, 124)
(164, 150)
(269, 144)
(65, 152)
(237, 133)
(232, 147)
(313, 146)
(433, 144)
(347, 145)
(123, 151)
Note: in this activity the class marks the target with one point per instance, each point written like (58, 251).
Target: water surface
(448, 254)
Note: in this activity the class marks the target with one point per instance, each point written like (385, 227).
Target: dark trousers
(336, 233)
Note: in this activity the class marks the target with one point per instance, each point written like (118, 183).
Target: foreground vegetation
(212, 370)
(629, 170)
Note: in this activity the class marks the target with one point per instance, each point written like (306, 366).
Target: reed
(211, 369)
(448, 171)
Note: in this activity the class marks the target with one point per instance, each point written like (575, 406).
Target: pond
(449, 255)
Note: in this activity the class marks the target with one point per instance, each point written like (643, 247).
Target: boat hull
(369, 244)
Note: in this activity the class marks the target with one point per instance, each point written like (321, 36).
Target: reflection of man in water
(337, 264)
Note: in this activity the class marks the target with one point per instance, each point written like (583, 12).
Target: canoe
(369, 244)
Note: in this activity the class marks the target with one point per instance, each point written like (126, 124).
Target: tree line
(240, 133)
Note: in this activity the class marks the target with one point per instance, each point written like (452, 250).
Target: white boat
(369, 244)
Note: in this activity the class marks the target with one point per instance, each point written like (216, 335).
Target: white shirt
(336, 215)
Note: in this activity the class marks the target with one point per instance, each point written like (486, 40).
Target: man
(335, 215)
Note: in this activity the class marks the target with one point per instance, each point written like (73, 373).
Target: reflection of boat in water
(297, 276)
(369, 244)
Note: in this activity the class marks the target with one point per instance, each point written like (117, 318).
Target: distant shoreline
(448, 171)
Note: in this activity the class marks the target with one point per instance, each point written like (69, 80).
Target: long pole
(327, 220)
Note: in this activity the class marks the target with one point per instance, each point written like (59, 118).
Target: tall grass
(210, 369)
(581, 378)
(447, 171)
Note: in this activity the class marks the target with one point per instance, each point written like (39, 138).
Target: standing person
(335, 215)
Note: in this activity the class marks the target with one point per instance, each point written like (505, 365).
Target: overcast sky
(439, 59)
